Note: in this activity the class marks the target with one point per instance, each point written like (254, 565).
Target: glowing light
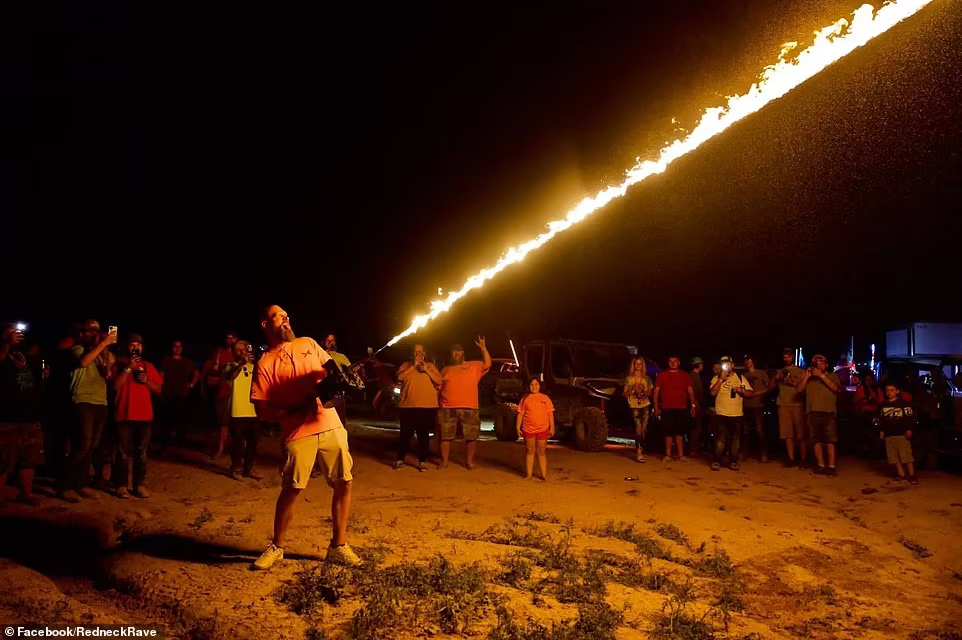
(831, 44)
(513, 352)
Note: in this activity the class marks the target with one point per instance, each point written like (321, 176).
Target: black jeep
(584, 381)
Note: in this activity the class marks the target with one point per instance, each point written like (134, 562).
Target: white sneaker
(343, 555)
(271, 555)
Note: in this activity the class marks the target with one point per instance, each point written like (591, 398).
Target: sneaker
(343, 555)
(87, 493)
(763, 459)
(122, 493)
(913, 480)
(70, 496)
(899, 478)
(398, 464)
(141, 492)
(271, 555)
(733, 466)
(818, 471)
(422, 466)
(715, 466)
(253, 475)
(831, 472)
(236, 475)
(31, 500)
(666, 459)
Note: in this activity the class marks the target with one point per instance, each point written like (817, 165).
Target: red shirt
(134, 402)
(674, 389)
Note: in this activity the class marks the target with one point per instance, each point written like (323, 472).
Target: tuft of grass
(644, 544)
(825, 593)
(596, 621)
(673, 533)
(204, 517)
(534, 516)
(311, 587)
(377, 617)
(315, 634)
(718, 565)
(917, 549)
(677, 621)
(517, 570)
(936, 634)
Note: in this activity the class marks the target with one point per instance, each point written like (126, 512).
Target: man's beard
(286, 334)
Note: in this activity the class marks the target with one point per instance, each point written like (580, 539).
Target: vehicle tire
(505, 424)
(591, 429)
(384, 408)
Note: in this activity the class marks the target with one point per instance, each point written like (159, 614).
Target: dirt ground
(819, 557)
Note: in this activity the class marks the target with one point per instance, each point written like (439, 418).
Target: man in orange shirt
(459, 401)
(284, 391)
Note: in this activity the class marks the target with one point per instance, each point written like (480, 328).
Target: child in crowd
(536, 425)
(896, 420)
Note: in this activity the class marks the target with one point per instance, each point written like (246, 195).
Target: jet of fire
(831, 44)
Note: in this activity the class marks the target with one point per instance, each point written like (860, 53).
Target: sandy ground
(182, 557)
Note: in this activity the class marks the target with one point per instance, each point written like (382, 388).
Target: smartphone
(112, 329)
(726, 366)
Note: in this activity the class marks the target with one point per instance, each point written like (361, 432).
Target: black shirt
(21, 389)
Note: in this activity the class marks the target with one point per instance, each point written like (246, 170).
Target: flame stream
(831, 44)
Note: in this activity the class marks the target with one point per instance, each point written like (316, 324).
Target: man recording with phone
(89, 391)
(21, 409)
(136, 381)
(821, 390)
(729, 390)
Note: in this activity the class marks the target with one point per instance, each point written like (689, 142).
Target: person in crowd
(638, 389)
(821, 396)
(868, 396)
(285, 391)
(730, 389)
(60, 415)
(460, 402)
(215, 392)
(535, 426)
(420, 381)
(791, 409)
(136, 381)
(21, 411)
(896, 421)
(754, 407)
(180, 378)
(244, 428)
(698, 387)
(89, 389)
(330, 345)
(675, 405)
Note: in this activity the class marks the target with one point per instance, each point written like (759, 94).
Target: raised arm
(91, 356)
(485, 356)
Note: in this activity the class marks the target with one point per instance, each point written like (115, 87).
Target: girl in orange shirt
(536, 425)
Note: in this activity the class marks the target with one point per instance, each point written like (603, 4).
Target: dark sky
(171, 168)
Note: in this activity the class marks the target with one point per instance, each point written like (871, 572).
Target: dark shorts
(822, 427)
(543, 435)
(675, 422)
(470, 420)
(21, 445)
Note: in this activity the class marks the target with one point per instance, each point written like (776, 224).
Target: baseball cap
(787, 351)
(456, 347)
(725, 359)
(697, 361)
(747, 356)
(134, 337)
(819, 358)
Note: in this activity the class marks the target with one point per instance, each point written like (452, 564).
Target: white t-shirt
(725, 405)
(240, 394)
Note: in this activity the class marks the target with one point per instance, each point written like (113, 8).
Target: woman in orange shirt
(536, 425)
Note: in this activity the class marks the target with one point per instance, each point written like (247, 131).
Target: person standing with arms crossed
(284, 391)
(459, 401)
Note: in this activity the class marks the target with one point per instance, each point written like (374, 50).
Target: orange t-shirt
(459, 385)
(417, 388)
(535, 411)
(286, 379)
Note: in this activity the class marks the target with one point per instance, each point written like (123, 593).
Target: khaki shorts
(329, 449)
(791, 422)
(470, 420)
(899, 450)
(822, 427)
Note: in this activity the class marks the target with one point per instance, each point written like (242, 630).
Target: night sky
(171, 169)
